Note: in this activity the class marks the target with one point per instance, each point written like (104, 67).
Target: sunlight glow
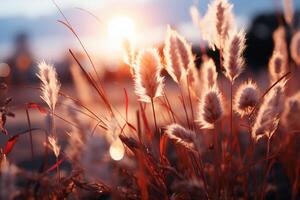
(120, 28)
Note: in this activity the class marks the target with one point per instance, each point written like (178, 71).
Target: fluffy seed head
(178, 55)
(279, 38)
(50, 85)
(185, 51)
(129, 54)
(233, 55)
(277, 66)
(295, 48)
(148, 81)
(196, 18)
(246, 98)
(217, 23)
(210, 108)
(288, 11)
(54, 146)
(268, 115)
(181, 135)
(172, 59)
(209, 73)
(290, 116)
(223, 9)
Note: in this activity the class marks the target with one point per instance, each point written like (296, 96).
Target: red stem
(154, 116)
(184, 107)
(30, 133)
(169, 107)
(190, 99)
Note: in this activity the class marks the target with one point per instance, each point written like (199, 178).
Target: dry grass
(210, 146)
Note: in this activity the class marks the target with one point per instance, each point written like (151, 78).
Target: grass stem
(154, 116)
(190, 99)
(184, 107)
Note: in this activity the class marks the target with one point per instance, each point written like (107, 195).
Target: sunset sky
(38, 19)
(35, 8)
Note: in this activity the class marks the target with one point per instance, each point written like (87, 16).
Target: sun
(120, 28)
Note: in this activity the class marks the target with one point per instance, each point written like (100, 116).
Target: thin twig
(154, 116)
(184, 107)
(190, 99)
(30, 133)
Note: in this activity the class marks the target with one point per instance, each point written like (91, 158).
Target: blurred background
(30, 32)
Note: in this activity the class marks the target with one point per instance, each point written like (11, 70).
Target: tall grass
(198, 144)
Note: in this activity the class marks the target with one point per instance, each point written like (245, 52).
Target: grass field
(173, 130)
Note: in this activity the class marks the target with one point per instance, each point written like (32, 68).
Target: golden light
(117, 150)
(120, 28)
